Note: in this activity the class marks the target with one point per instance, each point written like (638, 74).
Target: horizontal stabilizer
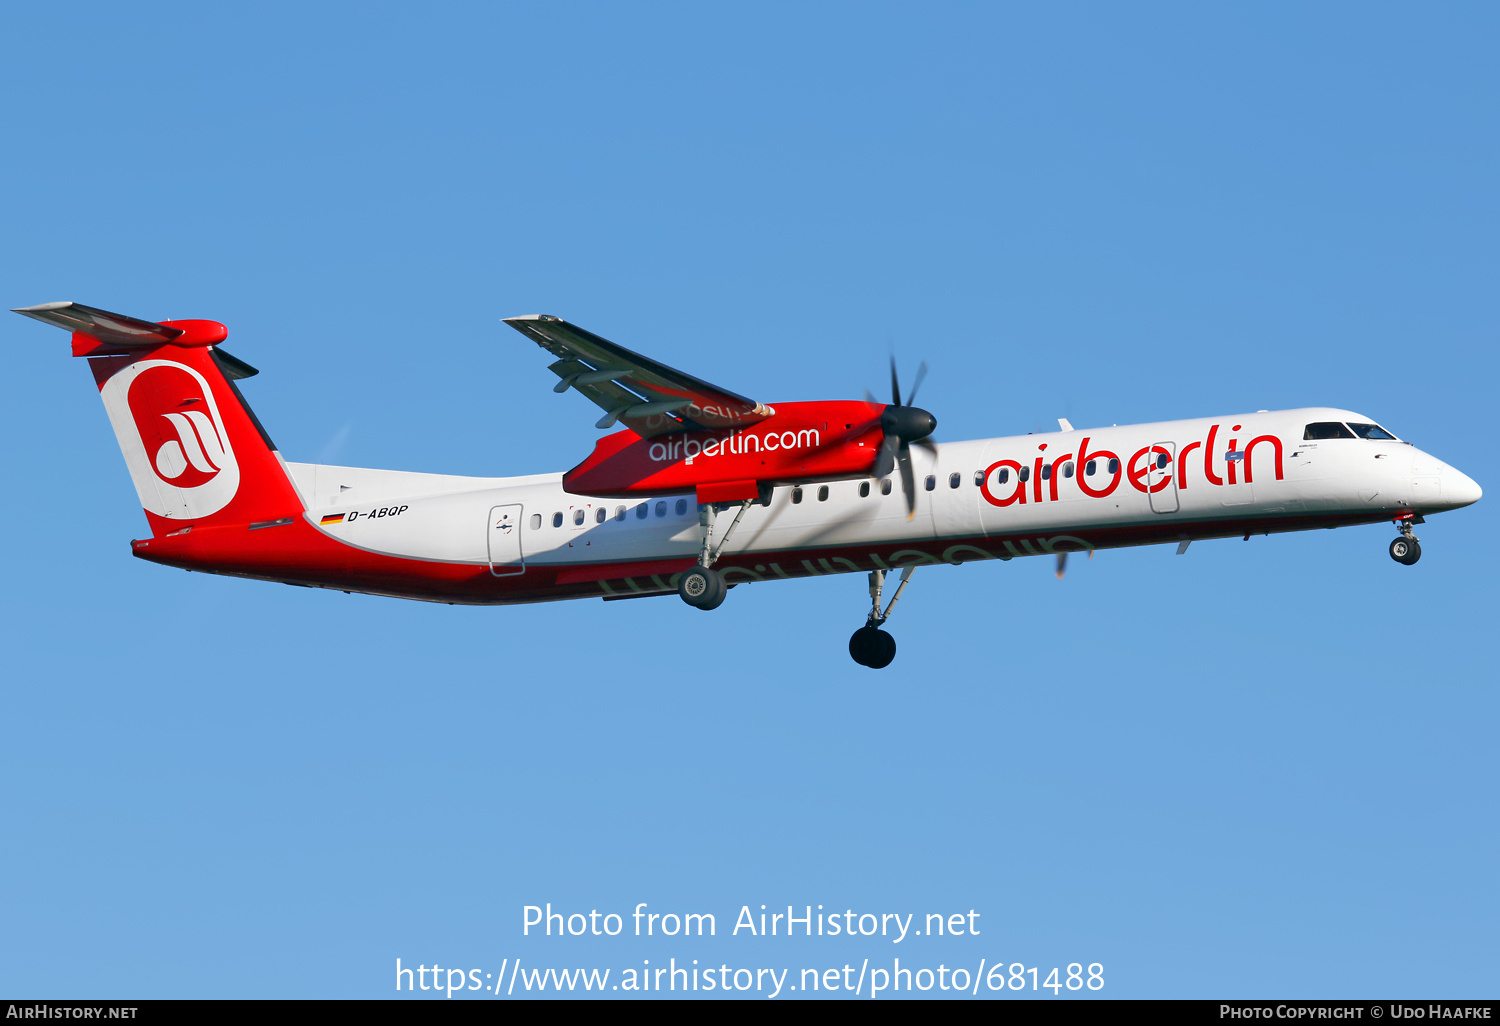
(114, 328)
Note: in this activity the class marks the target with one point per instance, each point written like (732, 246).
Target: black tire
(859, 645)
(1406, 551)
(721, 591)
(702, 588)
(885, 651)
(872, 647)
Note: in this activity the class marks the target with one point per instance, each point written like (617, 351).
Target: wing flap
(607, 395)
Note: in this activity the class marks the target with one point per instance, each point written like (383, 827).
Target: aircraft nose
(1459, 488)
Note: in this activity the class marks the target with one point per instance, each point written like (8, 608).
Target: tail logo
(187, 450)
(174, 439)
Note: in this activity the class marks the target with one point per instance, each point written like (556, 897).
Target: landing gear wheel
(1406, 550)
(702, 588)
(870, 646)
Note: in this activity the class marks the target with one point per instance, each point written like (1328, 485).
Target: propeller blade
(895, 384)
(911, 398)
(885, 457)
(1062, 564)
(928, 443)
(908, 482)
(870, 397)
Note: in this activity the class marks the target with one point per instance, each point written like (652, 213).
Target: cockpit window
(1374, 431)
(1327, 429)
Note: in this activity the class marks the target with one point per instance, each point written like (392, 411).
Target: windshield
(1326, 429)
(1374, 431)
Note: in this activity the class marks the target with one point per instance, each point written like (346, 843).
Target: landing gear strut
(1406, 549)
(703, 587)
(870, 646)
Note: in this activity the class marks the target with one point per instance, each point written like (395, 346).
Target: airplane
(807, 488)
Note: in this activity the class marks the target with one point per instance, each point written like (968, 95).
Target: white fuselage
(962, 512)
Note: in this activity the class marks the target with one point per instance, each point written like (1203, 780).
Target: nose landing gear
(870, 646)
(1406, 549)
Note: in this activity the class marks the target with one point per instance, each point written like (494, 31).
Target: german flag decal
(332, 518)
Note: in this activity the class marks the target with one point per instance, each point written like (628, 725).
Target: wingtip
(41, 307)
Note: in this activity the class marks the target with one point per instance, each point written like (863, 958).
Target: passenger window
(823, 493)
(864, 489)
(796, 495)
(1114, 466)
(681, 506)
(661, 507)
(955, 479)
(978, 478)
(1046, 472)
(600, 514)
(1162, 460)
(1068, 469)
(578, 516)
(1326, 429)
(1372, 431)
(1003, 476)
(885, 486)
(557, 520)
(536, 521)
(619, 512)
(640, 511)
(1023, 475)
(931, 482)
(1090, 467)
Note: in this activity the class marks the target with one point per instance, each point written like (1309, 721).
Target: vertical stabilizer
(195, 451)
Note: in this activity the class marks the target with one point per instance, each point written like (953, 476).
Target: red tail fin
(196, 452)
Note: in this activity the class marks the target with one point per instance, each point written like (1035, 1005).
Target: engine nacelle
(818, 440)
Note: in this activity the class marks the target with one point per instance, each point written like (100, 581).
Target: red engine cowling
(819, 440)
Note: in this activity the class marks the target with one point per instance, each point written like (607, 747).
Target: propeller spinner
(904, 425)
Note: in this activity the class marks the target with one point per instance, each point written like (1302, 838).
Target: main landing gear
(1406, 549)
(703, 587)
(870, 646)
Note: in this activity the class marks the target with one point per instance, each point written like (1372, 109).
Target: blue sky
(1262, 769)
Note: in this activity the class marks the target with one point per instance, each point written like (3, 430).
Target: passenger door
(1235, 491)
(1161, 481)
(506, 559)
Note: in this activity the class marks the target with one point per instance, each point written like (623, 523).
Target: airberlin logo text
(1150, 469)
(736, 444)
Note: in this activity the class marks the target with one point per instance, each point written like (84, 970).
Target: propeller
(1062, 563)
(904, 425)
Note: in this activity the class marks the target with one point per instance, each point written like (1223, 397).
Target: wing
(648, 397)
